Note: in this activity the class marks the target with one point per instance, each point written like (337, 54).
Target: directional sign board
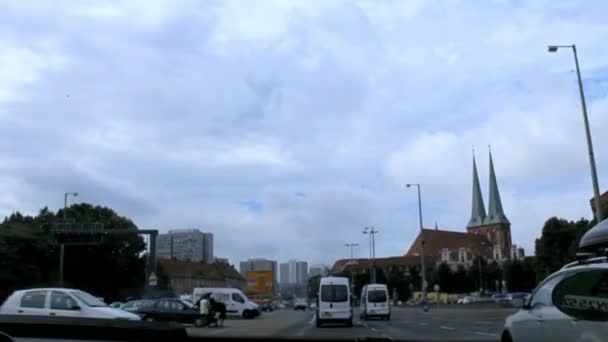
(152, 279)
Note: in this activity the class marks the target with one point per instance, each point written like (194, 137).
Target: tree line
(112, 267)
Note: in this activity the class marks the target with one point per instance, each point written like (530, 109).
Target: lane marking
(423, 323)
(485, 334)
(373, 329)
(447, 328)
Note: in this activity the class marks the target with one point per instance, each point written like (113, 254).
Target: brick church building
(488, 234)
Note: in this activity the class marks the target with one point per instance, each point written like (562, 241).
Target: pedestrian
(203, 305)
(213, 311)
(222, 312)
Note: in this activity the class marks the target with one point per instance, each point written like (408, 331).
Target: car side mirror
(75, 308)
(517, 303)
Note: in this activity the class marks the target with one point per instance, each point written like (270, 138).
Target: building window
(462, 255)
(496, 253)
(445, 255)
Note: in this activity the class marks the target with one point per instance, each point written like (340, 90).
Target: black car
(170, 310)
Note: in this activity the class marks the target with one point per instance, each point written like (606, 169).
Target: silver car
(540, 320)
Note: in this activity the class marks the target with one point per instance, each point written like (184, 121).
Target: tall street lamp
(596, 187)
(352, 264)
(423, 266)
(372, 250)
(62, 246)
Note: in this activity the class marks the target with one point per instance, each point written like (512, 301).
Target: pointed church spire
(478, 210)
(495, 212)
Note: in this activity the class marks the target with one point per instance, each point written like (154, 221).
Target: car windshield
(376, 296)
(436, 158)
(88, 299)
(334, 293)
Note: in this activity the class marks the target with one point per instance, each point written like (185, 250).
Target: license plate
(327, 314)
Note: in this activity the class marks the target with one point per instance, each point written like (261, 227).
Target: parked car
(170, 310)
(268, 306)
(60, 302)
(133, 305)
(300, 304)
(467, 300)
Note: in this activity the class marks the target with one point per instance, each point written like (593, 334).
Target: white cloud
(180, 112)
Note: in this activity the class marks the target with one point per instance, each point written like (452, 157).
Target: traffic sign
(152, 279)
(436, 287)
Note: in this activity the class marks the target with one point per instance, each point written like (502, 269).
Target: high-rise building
(284, 273)
(301, 272)
(294, 272)
(259, 264)
(185, 244)
(208, 247)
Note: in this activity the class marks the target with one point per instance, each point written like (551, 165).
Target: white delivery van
(334, 301)
(375, 302)
(237, 303)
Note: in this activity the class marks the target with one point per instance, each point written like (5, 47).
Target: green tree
(313, 286)
(520, 275)
(445, 278)
(558, 243)
(29, 254)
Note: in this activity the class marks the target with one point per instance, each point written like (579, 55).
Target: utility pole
(596, 188)
(372, 250)
(422, 263)
(61, 245)
(352, 265)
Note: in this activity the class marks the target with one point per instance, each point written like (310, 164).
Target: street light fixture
(596, 187)
(422, 264)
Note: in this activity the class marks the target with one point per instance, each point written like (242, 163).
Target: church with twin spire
(488, 234)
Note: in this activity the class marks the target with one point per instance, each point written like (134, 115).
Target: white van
(334, 301)
(237, 303)
(375, 302)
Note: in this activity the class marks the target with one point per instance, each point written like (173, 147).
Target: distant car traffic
(268, 306)
(60, 302)
(170, 310)
(300, 304)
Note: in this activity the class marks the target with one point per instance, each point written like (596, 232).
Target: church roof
(365, 263)
(495, 211)
(436, 240)
(478, 211)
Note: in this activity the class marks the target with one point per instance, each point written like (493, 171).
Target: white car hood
(109, 312)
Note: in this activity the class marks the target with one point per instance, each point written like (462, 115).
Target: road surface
(453, 323)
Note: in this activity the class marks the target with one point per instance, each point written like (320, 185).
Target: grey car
(540, 320)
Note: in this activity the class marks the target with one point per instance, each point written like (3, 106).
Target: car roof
(334, 280)
(47, 289)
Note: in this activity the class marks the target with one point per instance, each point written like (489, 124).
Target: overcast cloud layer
(285, 127)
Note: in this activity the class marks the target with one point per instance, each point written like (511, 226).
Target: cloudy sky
(285, 127)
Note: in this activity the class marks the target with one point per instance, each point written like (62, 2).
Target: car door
(62, 304)
(33, 303)
(181, 313)
(236, 302)
(164, 311)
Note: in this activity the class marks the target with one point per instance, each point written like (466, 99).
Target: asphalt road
(454, 323)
